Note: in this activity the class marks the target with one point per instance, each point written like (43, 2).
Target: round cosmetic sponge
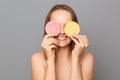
(52, 28)
(71, 28)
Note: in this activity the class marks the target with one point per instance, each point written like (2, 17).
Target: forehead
(64, 14)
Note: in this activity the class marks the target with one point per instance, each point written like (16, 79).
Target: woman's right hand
(49, 45)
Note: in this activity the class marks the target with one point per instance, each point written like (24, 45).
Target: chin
(64, 44)
(63, 40)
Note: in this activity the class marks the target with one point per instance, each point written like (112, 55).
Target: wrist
(75, 58)
(50, 59)
(50, 56)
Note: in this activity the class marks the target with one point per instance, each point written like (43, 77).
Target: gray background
(21, 31)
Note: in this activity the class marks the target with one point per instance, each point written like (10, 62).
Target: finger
(85, 37)
(49, 47)
(47, 36)
(75, 40)
(78, 41)
(81, 40)
(53, 46)
(52, 41)
(77, 37)
(49, 41)
(84, 42)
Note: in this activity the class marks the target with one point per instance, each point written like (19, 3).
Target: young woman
(63, 57)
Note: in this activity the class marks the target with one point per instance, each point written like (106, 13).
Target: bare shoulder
(37, 57)
(37, 66)
(87, 62)
(87, 57)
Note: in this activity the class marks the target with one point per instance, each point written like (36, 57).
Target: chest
(63, 71)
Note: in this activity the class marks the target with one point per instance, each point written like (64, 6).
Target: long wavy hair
(61, 7)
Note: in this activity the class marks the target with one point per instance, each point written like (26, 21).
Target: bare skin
(57, 62)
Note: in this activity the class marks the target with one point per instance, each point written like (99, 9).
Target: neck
(63, 54)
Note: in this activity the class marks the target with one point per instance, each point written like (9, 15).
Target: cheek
(69, 40)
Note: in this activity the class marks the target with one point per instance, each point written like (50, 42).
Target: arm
(49, 46)
(76, 70)
(42, 70)
(43, 67)
(81, 70)
(50, 69)
(88, 67)
(37, 67)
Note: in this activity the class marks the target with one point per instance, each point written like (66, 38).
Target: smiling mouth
(61, 38)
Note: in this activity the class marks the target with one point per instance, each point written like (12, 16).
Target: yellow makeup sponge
(71, 28)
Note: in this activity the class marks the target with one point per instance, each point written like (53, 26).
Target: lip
(61, 37)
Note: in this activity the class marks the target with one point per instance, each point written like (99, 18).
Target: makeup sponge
(52, 28)
(71, 28)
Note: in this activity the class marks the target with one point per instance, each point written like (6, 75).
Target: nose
(62, 30)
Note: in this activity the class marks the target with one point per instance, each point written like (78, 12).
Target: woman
(63, 57)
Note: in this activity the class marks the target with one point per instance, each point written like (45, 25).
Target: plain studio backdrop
(21, 33)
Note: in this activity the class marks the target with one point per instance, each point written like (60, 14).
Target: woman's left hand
(81, 43)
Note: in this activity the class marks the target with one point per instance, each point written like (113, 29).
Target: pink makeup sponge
(71, 28)
(52, 28)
